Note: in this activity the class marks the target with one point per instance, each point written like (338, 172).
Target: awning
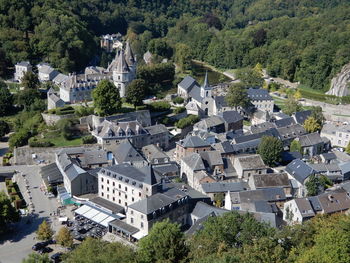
(139, 235)
(62, 219)
(124, 227)
(96, 215)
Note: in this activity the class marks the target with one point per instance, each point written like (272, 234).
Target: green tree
(64, 238)
(237, 96)
(312, 185)
(30, 80)
(183, 56)
(4, 128)
(6, 99)
(8, 214)
(44, 231)
(311, 125)
(106, 98)
(19, 138)
(27, 97)
(160, 47)
(66, 127)
(164, 243)
(37, 258)
(270, 150)
(136, 92)
(95, 250)
(295, 146)
(250, 77)
(297, 95)
(348, 148)
(316, 113)
(291, 106)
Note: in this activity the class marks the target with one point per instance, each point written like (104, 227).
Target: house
(284, 122)
(311, 144)
(125, 152)
(339, 135)
(158, 135)
(46, 72)
(261, 99)
(190, 165)
(248, 165)
(299, 210)
(288, 157)
(299, 172)
(289, 133)
(21, 69)
(214, 124)
(53, 100)
(219, 189)
(233, 120)
(125, 184)
(260, 116)
(271, 180)
(210, 138)
(109, 42)
(301, 116)
(328, 158)
(185, 86)
(174, 203)
(191, 144)
(267, 200)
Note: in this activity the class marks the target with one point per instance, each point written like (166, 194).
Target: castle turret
(130, 58)
(121, 74)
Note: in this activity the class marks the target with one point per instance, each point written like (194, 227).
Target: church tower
(121, 74)
(130, 59)
(205, 88)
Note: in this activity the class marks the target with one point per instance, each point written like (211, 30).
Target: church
(121, 71)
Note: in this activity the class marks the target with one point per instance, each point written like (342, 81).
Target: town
(234, 151)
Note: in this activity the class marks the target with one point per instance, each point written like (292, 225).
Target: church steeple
(205, 88)
(206, 83)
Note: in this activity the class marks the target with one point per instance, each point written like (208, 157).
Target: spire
(128, 54)
(122, 66)
(206, 83)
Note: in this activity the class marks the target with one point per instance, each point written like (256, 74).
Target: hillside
(299, 40)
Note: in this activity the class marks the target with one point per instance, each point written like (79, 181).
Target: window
(126, 197)
(141, 224)
(113, 199)
(107, 181)
(132, 212)
(107, 189)
(133, 199)
(126, 204)
(120, 194)
(102, 194)
(126, 189)
(101, 179)
(119, 201)
(107, 196)
(139, 194)
(132, 220)
(141, 216)
(102, 186)
(120, 186)
(113, 184)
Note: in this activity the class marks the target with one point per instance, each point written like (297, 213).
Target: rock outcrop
(340, 85)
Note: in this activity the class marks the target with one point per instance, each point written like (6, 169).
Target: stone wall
(52, 119)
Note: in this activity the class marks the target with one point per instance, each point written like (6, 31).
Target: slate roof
(193, 142)
(194, 161)
(310, 139)
(109, 130)
(253, 161)
(259, 94)
(334, 202)
(163, 169)
(232, 116)
(153, 152)
(284, 122)
(299, 170)
(212, 158)
(52, 173)
(222, 187)
(265, 194)
(322, 167)
(209, 122)
(73, 171)
(107, 204)
(156, 129)
(252, 144)
(291, 132)
(220, 102)
(305, 207)
(126, 153)
(262, 127)
(188, 83)
(203, 209)
(153, 203)
(23, 63)
(290, 156)
(270, 180)
(129, 173)
(301, 116)
(328, 156)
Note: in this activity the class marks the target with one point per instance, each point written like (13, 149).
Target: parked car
(39, 246)
(57, 257)
(45, 250)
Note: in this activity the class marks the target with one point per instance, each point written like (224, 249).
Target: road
(17, 246)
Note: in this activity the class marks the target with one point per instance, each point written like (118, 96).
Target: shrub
(82, 111)
(33, 142)
(179, 110)
(142, 107)
(159, 106)
(178, 100)
(89, 139)
(188, 121)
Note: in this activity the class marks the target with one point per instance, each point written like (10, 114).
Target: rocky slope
(340, 85)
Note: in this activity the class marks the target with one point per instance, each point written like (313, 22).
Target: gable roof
(152, 203)
(193, 142)
(310, 139)
(284, 122)
(253, 161)
(301, 116)
(270, 180)
(209, 122)
(258, 94)
(299, 170)
(126, 153)
(212, 158)
(305, 207)
(203, 209)
(222, 187)
(232, 116)
(188, 83)
(194, 161)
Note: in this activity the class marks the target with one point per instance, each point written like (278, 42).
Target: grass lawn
(279, 101)
(60, 142)
(308, 89)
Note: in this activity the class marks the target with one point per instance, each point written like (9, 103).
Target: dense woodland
(300, 40)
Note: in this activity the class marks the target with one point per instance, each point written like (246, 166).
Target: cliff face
(340, 85)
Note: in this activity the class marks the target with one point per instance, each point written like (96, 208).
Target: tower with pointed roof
(130, 59)
(205, 88)
(122, 75)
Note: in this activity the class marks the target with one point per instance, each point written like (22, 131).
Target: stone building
(21, 69)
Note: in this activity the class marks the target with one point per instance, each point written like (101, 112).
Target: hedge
(178, 100)
(159, 106)
(89, 139)
(188, 121)
(33, 142)
(179, 110)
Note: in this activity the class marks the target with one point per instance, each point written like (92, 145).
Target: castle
(121, 71)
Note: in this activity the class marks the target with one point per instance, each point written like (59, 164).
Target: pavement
(16, 246)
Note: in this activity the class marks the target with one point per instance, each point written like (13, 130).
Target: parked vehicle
(39, 246)
(56, 257)
(45, 250)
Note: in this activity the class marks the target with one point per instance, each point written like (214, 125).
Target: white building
(46, 72)
(339, 135)
(21, 69)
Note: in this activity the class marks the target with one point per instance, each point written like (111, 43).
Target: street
(15, 247)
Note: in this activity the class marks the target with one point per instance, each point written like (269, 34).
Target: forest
(299, 40)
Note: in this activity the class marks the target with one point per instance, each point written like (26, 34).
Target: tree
(106, 98)
(348, 148)
(19, 138)
(316, 113)
(270, 150)
(27, 97)
(30, 80)
(95, 250)
(183, 56)
(4, 128)
(312, 185)
(160, 47)
(297, 95)
(249, 77)
(311, 125)
(64, 238)
(136, 92)
(295, 146)
(44, 231)
(37, 258)
(164, 243)
(6, 99)
(237, 96)
(8, 214)
(291, 106)
(66, 126)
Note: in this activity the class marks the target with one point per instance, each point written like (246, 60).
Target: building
(233, 120)
(261, 99)
(311, 144)
(217, 190)
(301, 116)
(125, 152)
(299, 172)
(46, 72)
(53, 100)
(21, 69)
(339, 135)
(125, 184)
(111, 42)
(185, 86)
(248, 165)
(214, 124)
(191, 144)
(271, 180)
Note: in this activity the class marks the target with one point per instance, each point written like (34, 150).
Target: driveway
(14, 247)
